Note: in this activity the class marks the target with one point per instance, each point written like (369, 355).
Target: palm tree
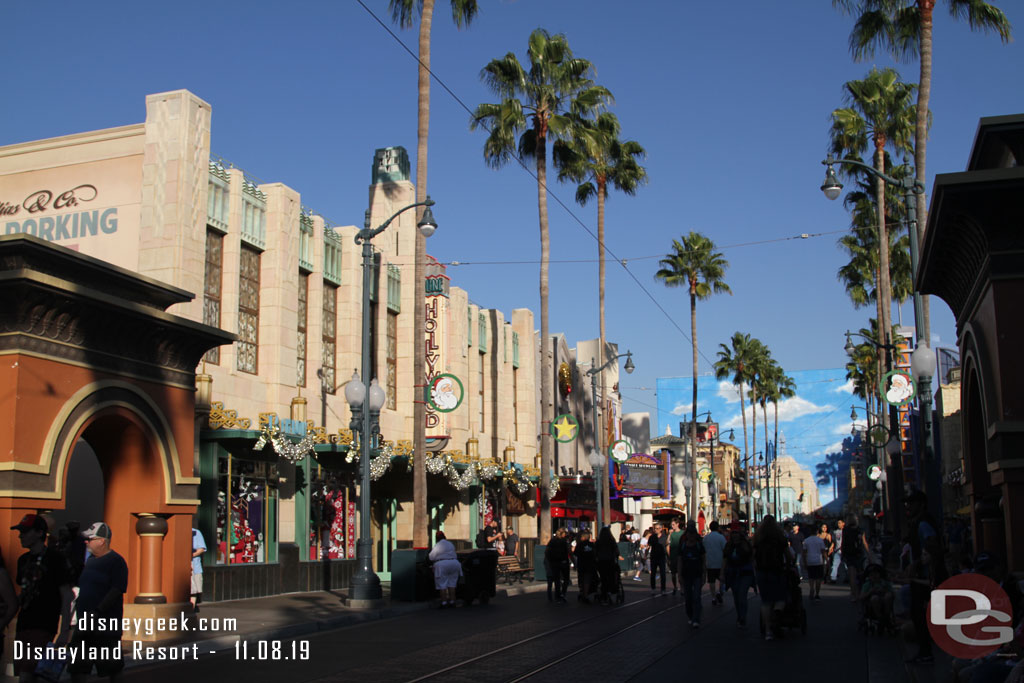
(735, 361)
(595, 157)
(695, 264)
(463, 12)
(880, 113)
(827, 472)
(905, 28)
(760, 358)
(785, 387)
(544, 102)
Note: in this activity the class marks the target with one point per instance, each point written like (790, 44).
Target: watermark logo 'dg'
(965, 613)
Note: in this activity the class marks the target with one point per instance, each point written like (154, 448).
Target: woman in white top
(447, 569)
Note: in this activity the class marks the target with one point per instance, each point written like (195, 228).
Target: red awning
(620, 516)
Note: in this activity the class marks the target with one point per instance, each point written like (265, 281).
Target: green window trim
(469, 326)
(254, 218)
(332, 256)
(218, 197)
(515, 349)
(482, 342)
(306, 242)
(394, 288)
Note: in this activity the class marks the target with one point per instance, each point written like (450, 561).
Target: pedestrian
(837, 552)
(556, 565)
(607, 551)
(675, 535)
(447, 569)
(815, 552)
(690, 554)
(102, 586)
(486, 537)
(927, 568)
(45, 597)
(738, 569)
(656, 547)
(511, 542)
(796, 543)
(645, 553)
(855, 551)
(714, 545)
(8, 602)
(499, 543)
(586, 564)
(772, 557)
(198, 548)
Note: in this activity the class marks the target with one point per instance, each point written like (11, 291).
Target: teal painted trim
(273, 501)
(302, 509)
(209, 451)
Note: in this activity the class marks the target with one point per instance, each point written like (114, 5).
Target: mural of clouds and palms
(812, 423)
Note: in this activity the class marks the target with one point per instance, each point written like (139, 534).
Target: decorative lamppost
(365, 584)
(601, 482)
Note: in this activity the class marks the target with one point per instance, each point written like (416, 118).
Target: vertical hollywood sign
(436, 286)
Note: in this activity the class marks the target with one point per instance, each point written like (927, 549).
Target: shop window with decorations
(332, 515)
(246, 511)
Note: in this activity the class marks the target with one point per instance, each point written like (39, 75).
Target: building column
(151, 530)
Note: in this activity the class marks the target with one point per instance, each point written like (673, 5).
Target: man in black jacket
(556, 565)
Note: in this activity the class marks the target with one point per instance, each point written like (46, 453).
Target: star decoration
(565, 427)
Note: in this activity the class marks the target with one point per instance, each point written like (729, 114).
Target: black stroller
(616, 590)
(794, 616)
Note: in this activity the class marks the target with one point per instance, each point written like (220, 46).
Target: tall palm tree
(695, 264)
(880, 114)
(785, 387)
(596, 158)
(735, 361)
(543, 102)
(402, 11)
(904, 27)
(760, 359)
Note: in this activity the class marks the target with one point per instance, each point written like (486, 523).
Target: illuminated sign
(642, 475)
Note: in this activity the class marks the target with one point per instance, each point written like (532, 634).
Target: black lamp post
(365, 584)
(598, 460)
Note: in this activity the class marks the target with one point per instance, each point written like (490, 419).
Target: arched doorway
(86, 490)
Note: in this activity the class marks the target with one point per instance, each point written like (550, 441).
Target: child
(877, 595)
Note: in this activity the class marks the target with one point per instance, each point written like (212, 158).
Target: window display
(332, 515)
(246, 511)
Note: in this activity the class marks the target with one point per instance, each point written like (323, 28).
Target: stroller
(882, 622)
(616, 591)
(794, 615)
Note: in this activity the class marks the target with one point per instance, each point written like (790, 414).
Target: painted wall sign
(445, 393)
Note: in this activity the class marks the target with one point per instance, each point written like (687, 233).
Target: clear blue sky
(731, 101)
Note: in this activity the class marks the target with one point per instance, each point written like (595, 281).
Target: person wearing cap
(102, 586)
(45, 596)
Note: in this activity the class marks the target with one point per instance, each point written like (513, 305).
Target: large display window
(247, 503)
(331, 528)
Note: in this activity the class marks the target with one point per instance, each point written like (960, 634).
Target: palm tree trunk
(599, 429)
(924, 93)
(546, 372)
(776, 454)
(753, 424)
(764, 420)
(420, 518)
(743, 414)
(885, 293)
(692, 493)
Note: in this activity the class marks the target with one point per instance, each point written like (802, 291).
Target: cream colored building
(150, 198)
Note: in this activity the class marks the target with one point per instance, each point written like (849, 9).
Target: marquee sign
(436, 288)
(642, 475)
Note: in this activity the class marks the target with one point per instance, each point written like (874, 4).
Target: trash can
(479, 576)
(540, 573)
(411, 576)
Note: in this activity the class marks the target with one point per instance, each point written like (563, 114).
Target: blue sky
(731, 101)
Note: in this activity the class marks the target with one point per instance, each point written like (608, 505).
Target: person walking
(690, 555)
(675, 534)
(927, 568)
(815, 552)
(772, 556)
(556, 566)
(796, 546)
(45, 597)
(658, 557)
(714, 545)
(102, 586)
(196, 580)
(608, 557)
(855, 551)
(447, 569)
(738, 569)
(586, 564)
(837, 552)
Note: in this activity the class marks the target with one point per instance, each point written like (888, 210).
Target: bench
(510, 569)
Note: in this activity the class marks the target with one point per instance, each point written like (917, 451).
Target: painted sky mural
(811, 424)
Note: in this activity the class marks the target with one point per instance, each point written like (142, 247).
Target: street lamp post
(597, 463)
(600, 483)
(365, 584)
(911, 188)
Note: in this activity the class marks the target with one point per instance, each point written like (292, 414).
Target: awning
(620, 516)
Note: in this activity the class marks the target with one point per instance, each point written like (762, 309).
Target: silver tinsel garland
(443, 464)
(293, 452)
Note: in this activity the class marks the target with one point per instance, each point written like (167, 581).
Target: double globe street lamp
(365, 584)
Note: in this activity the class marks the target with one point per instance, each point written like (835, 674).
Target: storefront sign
(436, 326)
(643, 475)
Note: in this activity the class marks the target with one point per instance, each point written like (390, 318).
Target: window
(329, 339)
(481, 385)
(249, 310)
(305, 242)
(469, 326)
(515, 349)
(394, 289)
(481, 342)
(218, 196)
(248, 534)
(254, 216)
(332, 256)
(212, 286)
(300, 342)
(392, 359)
